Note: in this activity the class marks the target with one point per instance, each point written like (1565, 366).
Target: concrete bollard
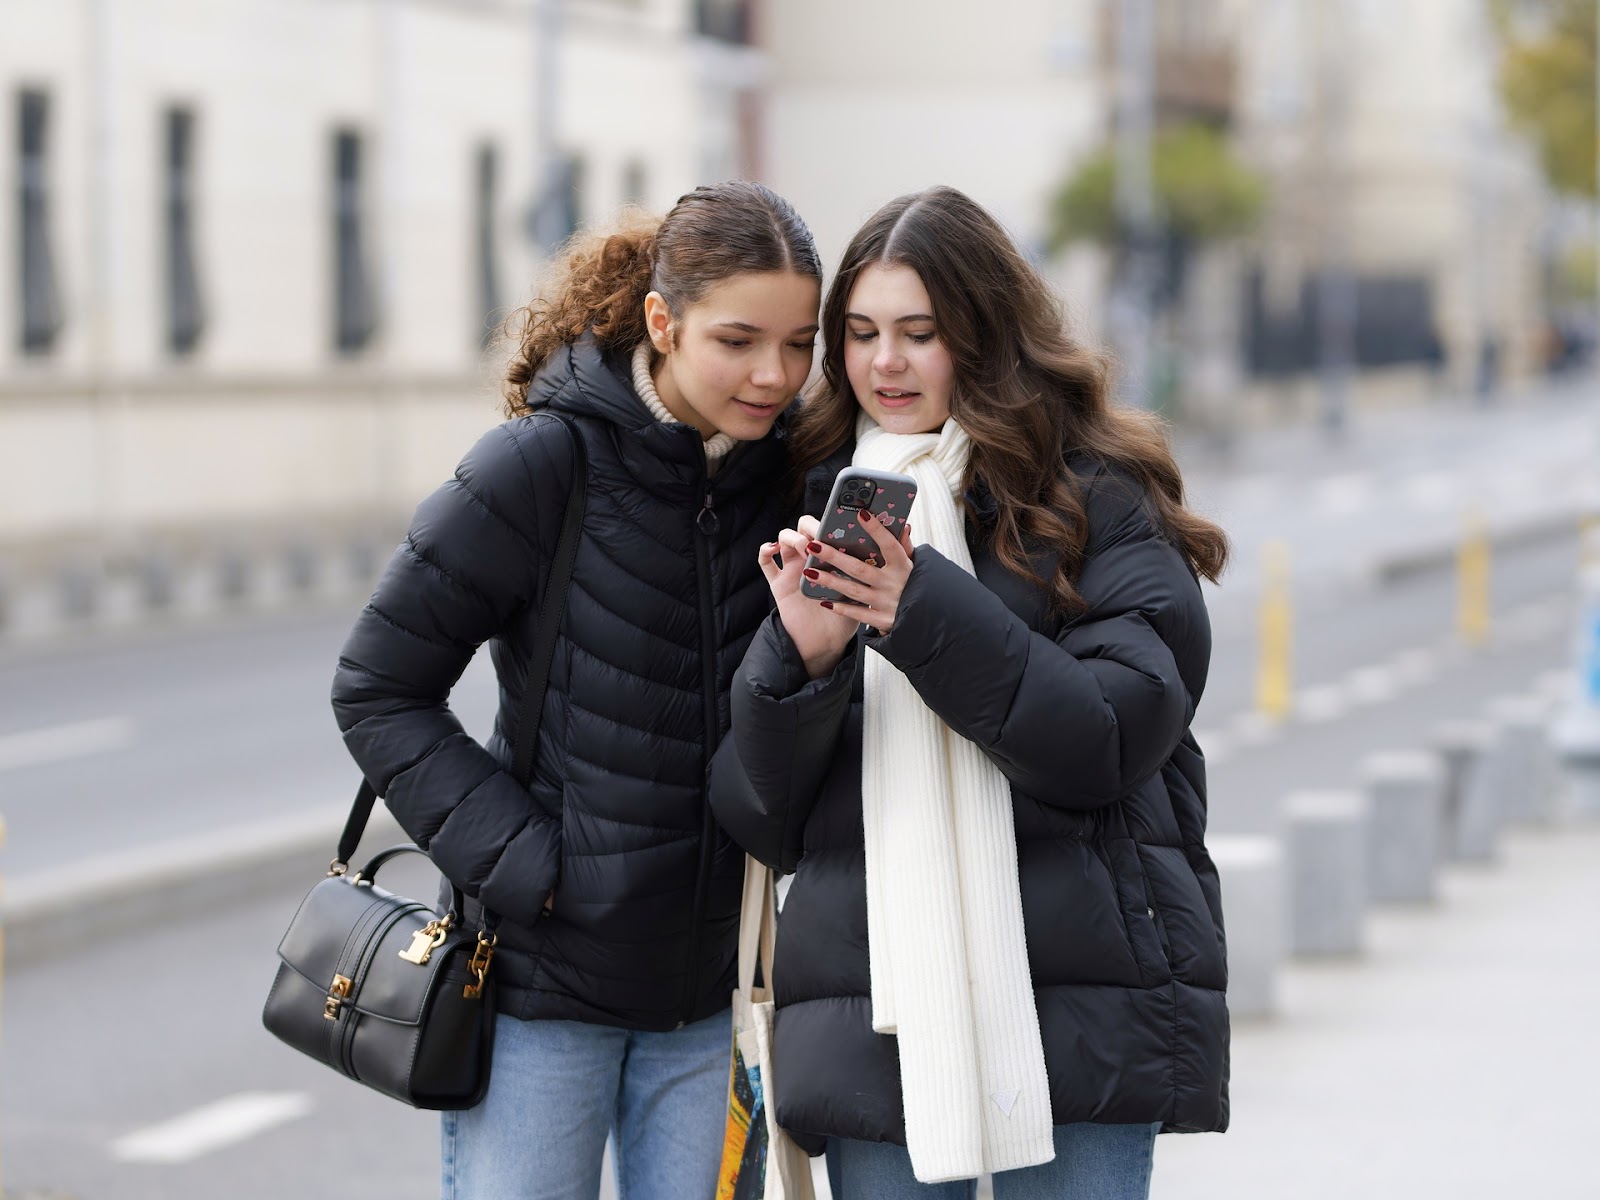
(1527, 771)
(1405, 803)
(1473, 810)
(1253, 889)
(1327, 837)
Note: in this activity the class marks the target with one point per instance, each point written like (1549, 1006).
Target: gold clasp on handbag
(479, 966)
(338, 992)
(424, 940)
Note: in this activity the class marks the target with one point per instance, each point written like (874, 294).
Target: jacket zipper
(706, 523)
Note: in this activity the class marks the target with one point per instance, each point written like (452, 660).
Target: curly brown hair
(1025, 392)
(601, 278)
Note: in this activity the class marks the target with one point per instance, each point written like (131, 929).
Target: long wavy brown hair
(601, 278)
(1025, 392)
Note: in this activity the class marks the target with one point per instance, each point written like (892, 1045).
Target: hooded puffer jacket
(666, 593)
(1088, 717)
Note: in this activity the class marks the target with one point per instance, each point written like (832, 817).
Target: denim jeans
(1092, 1162)
(558, 1088)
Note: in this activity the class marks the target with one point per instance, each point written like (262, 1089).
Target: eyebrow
(746, 327)
(905, 320)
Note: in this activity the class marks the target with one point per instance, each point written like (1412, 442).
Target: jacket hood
(584, 381)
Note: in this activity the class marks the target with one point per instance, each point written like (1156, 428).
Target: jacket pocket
(1138, 911)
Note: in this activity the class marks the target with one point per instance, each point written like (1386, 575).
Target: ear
(658, 321)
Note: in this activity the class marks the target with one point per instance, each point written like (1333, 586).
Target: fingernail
(811, 573)
(814, 547)
(827, 604)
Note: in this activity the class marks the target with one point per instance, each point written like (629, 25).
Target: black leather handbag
(387, 990)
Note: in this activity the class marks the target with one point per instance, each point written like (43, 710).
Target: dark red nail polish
(827, 604)
(814, 547)
(811, 573)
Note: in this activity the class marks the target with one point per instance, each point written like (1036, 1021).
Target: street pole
(1336, 292)
(1135, 195)
(546, 228)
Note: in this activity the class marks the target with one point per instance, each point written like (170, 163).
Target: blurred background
(254, 256)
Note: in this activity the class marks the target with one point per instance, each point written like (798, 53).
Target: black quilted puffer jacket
(1088, 717)
(665, 596)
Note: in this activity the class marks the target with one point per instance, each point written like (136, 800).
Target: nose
(888, 360)
(768, 371)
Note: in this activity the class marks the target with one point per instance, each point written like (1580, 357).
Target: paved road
(149, 1028)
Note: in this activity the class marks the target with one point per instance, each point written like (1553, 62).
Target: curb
(60, 911)
(176, 578)
(1407, 563)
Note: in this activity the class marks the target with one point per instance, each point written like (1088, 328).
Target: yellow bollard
(1274, 676)
(1472, 582)
(1588, 539)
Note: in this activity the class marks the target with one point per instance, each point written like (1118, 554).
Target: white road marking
(1432, 492)
(1255, 729)
(1320, 704)
(211, 1127)
(61, 743)
(1213, 744)
(1342, 495)
(1415, 666)
(1371, 685)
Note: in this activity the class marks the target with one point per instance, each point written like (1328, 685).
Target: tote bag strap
(758, 925)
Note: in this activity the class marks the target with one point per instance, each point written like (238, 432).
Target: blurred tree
(1547, 79)
(1203, 192)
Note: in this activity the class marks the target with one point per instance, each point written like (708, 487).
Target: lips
(757, 410)
(895, 397)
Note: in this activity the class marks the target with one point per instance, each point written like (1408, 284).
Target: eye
(859, 336)
(735, 343)
(807, 347)
(922, 339)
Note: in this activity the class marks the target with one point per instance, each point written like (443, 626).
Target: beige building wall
(109, 434)
(869, 101)
(1415, 159)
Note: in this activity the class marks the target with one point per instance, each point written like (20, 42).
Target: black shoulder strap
(542, 651)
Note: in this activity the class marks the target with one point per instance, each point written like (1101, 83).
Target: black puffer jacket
(666, 594)
(1088, 718)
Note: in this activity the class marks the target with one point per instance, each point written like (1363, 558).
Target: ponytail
(599, 285)
(602, 278)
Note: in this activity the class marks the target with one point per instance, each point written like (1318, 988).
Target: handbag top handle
(541, 653)
(758, 925)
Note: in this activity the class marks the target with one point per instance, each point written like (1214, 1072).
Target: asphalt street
(132, 1034)
(137, 1068)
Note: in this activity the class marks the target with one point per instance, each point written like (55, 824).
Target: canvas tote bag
(759, 1160)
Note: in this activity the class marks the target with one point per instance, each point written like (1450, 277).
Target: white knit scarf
(717, 445)
(944, 904)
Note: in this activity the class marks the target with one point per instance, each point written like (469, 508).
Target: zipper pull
(706, 520)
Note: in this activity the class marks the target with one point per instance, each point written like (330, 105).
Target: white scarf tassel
(948, 953)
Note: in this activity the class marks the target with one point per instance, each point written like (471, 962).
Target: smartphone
(885, 494)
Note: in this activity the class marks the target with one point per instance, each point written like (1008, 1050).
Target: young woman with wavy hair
(1002, 948)
(671, 348)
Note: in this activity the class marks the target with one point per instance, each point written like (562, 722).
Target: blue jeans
(1092, 1162)
(559, 1087)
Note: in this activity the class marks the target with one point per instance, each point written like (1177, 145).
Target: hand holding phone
(886, 495)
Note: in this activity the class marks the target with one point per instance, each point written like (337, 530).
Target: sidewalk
(1457, 1059)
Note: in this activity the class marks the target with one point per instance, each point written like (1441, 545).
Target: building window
(633, 182)
(355, 310)
(40, 297)
(185, 309)
(725, 20)
(569, 189)
(485, 248)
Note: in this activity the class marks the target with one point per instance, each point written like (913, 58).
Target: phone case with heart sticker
(886, 494)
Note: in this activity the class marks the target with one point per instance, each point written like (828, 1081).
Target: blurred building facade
(1378, 126)
(255, 246)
